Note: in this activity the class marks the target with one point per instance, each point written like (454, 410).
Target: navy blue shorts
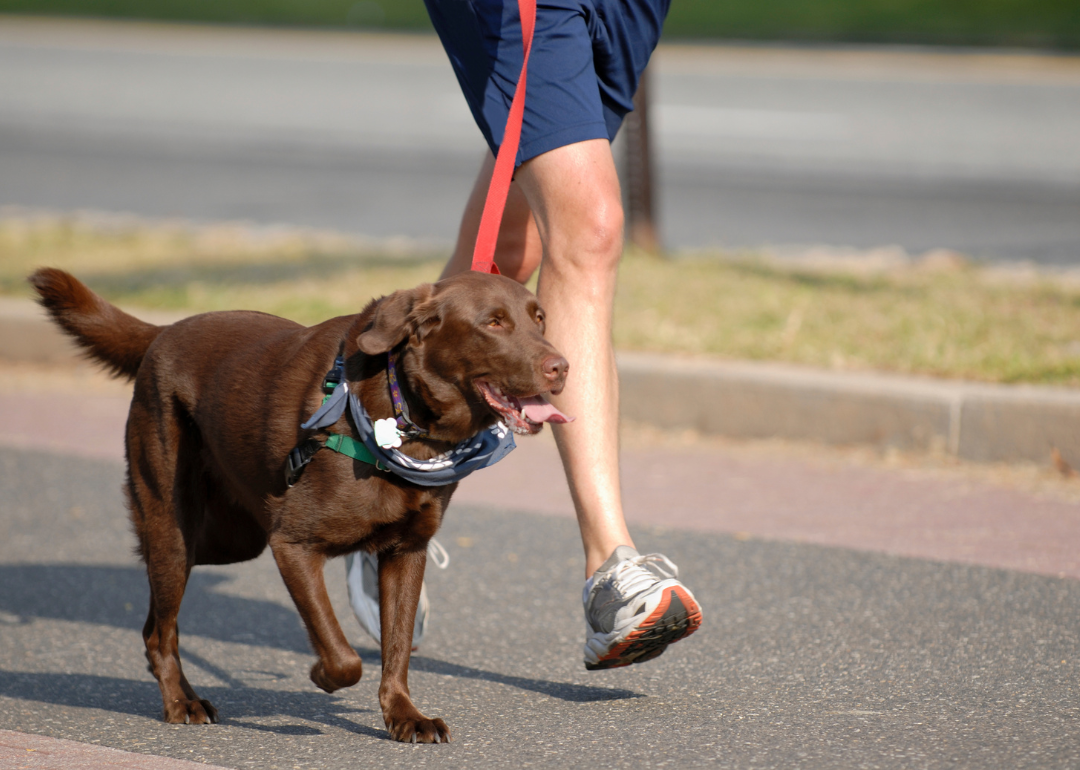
(587, 58)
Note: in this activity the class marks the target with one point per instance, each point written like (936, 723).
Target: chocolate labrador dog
(218, 402)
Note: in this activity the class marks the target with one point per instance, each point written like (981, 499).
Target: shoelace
(438, 554)
(632, 576)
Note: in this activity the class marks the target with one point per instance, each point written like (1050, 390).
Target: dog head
(474, 352)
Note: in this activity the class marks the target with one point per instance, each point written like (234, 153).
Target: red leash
(484, 253)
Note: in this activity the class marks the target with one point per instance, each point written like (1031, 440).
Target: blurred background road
(369, 134)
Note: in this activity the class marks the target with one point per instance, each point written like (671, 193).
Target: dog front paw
(328, 678)
(191, 712)
(418, 729)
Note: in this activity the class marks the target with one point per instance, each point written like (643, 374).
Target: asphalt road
(851, 148)
(809, 657)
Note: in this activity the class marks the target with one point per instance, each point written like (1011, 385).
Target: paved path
(369, 134)
(811, 656)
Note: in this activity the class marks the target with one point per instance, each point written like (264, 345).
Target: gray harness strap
(485, 448)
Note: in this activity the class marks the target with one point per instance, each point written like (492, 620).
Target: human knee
(596, 246)
(607, 229)
(516, 256)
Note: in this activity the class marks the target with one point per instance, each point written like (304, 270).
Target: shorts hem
(570, 135)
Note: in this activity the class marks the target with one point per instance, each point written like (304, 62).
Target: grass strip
(1041, 23)
(941, 317)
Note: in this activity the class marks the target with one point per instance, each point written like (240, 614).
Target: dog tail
(108, 334)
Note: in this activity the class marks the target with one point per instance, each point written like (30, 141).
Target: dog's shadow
(238, 705)
(118, 597)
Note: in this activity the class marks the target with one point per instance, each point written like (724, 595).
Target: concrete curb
(972, 421)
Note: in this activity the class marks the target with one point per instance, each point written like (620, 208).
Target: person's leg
(565, 211)
(518, 250)
(568, 199)
(574, 194)
(634, 604)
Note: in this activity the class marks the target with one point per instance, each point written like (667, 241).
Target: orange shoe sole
(675, 617)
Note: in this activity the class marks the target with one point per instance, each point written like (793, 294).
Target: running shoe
(635, 607)
(362, 580)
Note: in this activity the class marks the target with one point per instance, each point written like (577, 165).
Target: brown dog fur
(217, 406)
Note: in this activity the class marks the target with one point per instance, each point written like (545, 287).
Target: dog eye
(494, 322)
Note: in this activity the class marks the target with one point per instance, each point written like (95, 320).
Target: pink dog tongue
(538, 409)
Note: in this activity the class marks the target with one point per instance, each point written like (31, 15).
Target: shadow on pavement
(575, 693)
(143, 699)
(118, 597)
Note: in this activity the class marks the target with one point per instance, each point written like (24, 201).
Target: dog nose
(555, 368)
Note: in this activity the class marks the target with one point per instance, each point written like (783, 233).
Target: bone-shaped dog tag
(387, 434)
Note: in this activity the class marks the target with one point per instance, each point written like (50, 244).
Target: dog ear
(403, 313)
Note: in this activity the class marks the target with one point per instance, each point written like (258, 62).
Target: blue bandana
(485, 448)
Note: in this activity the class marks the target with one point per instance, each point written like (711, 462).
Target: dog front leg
(302, 570)
(401, 576)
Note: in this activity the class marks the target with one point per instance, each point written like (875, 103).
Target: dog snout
(555, 369)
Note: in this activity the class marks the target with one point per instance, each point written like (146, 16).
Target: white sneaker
(635, 607)
(362, 580)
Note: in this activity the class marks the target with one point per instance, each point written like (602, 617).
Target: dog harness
(485, 448)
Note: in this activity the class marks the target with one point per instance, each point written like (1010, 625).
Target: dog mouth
(524, 415)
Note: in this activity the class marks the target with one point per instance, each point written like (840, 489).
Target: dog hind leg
(162, 494)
